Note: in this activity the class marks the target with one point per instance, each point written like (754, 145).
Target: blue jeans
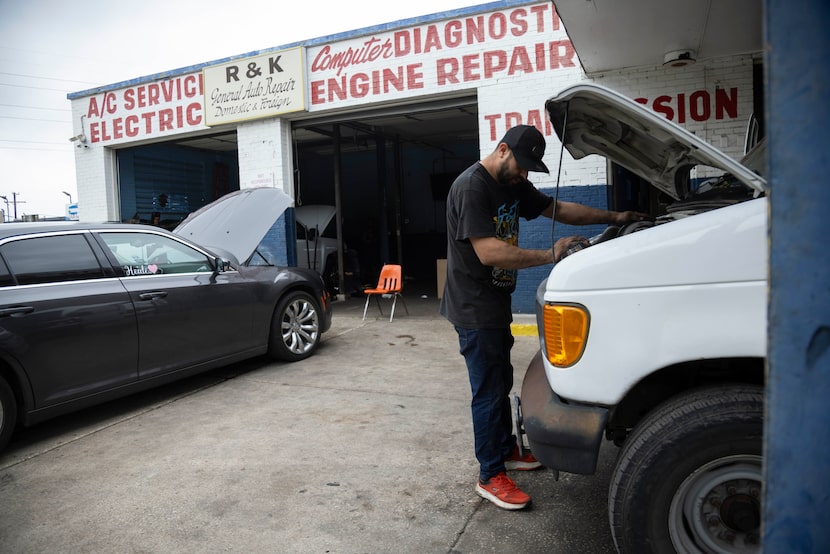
(487, 354)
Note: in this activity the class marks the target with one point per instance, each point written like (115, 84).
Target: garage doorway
(394, 172)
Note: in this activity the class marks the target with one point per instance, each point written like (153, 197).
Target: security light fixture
(679, 58)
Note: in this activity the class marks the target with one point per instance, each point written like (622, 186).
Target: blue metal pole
(797, 427)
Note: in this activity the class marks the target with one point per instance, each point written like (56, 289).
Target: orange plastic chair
(390, 282)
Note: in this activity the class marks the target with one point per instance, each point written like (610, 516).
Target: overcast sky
(49, 48)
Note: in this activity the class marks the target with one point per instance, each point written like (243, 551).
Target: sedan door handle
(152, 295)
(6, 312)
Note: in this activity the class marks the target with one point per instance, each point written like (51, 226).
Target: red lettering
(131, 125)
(520, 62)
(153, 90)
(726, 104)
(433, 41)
(517, 18)
(475, 29)
(148, 121)
(165, 120)
(414, 77)
(494, 61)
(92, 109)
(540, 57)
(452, 34)
(192, 86)
(497, 25)
(535, 118)
(117, 128)
(699, 105)
(337, 90)
(318, 91)
(194, 113)
(402, 44)
(104, 135)
(94, 131)
(359, 85)
(562, 54)
(491, 121)
(540, 11)
(447, 72)
(471, 66)
(662, 104)
(511, 119)
(129, 99)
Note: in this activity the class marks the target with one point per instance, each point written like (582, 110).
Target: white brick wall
(265, 154)
(720, 73)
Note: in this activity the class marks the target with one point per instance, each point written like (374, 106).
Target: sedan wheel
(295, 329)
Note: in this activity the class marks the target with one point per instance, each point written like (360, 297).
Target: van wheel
(688, 478)
(8, 413)
(295, 327)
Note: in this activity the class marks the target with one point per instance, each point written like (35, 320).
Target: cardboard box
(441, 274)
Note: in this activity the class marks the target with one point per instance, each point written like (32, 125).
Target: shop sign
(140, 111)
(459, 53)
(254, 88)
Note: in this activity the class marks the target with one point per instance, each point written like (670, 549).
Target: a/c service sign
(253, 88)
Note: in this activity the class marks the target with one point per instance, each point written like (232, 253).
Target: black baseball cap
(528, 147)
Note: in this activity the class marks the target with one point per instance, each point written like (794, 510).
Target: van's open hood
(236, 222)
(601, 121)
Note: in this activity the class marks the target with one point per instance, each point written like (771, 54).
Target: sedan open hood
(601, 121)
(236, 222)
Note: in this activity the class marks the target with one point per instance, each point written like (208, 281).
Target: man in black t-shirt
(483, 256)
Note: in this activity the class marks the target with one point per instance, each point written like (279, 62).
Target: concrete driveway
(365, 447)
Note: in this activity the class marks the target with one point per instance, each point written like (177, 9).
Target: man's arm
(572, 213)
(495, 252)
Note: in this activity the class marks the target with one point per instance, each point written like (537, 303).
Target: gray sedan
(92, 312)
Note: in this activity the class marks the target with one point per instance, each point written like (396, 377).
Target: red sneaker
(503, 492)
(521, 463)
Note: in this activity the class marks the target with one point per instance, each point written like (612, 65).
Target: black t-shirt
(478, 296)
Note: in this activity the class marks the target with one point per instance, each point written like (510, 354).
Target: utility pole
(15, 201)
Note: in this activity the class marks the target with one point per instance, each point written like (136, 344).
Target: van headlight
(565, 332)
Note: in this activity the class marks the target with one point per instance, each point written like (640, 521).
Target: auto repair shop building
(377, 122)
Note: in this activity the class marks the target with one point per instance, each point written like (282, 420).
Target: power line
(35, 119)
(29, 141)
(34, 88)
(33, 149)
(35, 108)
(48, 78)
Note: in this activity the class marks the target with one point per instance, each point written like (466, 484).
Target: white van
(655, 337)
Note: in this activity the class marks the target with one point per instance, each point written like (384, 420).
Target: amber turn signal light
(565, 332)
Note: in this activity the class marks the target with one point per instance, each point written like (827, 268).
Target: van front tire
(688, 478)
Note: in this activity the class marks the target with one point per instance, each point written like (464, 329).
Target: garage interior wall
(161, 184)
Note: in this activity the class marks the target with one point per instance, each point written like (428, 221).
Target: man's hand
(564, 244)
(621, 218)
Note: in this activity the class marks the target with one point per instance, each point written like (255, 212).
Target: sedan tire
(8, 412)
(295, 328)
(688, 478)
